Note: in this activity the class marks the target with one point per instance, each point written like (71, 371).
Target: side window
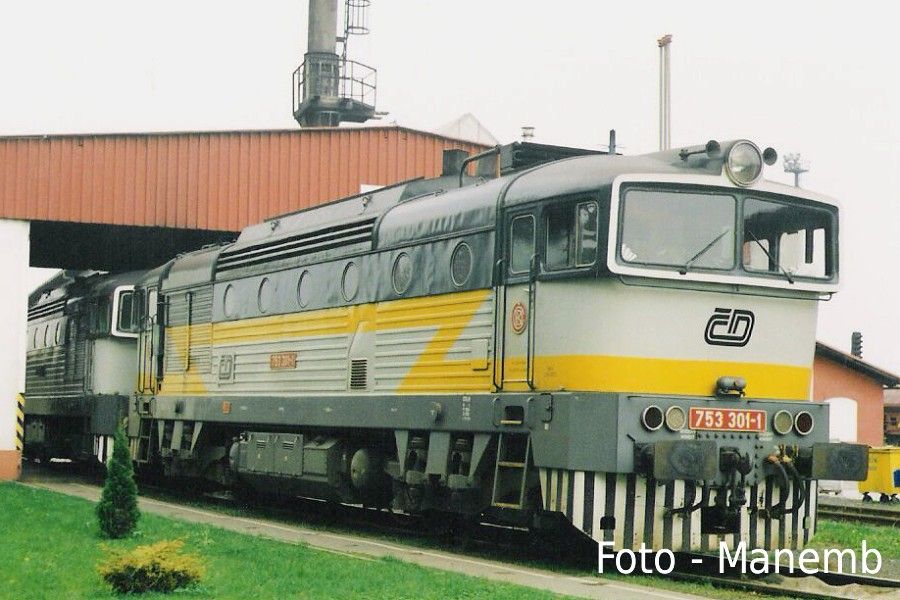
(571, 236)
(587, 214)
(559, 238)
(101, 315)
(126, 311)
(152, 302)
(138, 310)
(521, 244)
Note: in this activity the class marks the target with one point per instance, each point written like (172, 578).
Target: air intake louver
(298, 245)
(45, 310)
(358, 372)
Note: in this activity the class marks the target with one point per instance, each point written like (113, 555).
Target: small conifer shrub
(159, 567)
(118, 511)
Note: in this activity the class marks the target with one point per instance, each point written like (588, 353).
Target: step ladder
(511, 470)
(145, 433)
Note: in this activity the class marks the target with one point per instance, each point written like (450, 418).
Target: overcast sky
(810, 77)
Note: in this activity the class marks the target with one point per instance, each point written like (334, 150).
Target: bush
(159, 567)
(118, 511)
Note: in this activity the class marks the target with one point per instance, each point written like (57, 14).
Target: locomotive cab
(692, 335)
(80, 364)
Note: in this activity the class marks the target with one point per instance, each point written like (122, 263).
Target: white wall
(842, 421)
(13, 321)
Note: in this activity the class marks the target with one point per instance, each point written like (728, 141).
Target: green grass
(834, 534)
(52, 546)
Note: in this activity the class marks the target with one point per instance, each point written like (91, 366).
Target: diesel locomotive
(539, 334)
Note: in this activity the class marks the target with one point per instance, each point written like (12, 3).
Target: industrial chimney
(329, 88)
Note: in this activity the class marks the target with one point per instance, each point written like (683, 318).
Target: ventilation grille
(46, 309)
(288, 445)
(262, 442)
(358, 373)
(298, 245)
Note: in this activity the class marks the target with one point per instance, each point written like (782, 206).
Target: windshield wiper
(683, 270)
(772, 261)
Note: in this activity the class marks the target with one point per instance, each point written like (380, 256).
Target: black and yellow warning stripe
(20, 422)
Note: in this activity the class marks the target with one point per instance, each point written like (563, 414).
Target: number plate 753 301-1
(727, 419)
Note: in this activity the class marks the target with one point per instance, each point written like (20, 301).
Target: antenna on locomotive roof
(796, 165)
(665, 93)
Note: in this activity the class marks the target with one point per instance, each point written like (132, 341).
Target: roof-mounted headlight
(744, 163)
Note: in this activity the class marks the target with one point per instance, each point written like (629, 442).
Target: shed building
(848, 382)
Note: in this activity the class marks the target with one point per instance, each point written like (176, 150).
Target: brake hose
(799, 488)
(687, 508)
(777, 510)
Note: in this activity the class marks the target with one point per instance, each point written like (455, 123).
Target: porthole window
(461, 264)
(401, 276)
(350, 282)
(265, 295)
(229, 302)
(303, 289)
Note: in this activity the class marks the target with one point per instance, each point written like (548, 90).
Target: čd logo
(729, 327)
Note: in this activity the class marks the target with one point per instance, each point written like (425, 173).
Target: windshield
(680, 229)
(789, 239)
(686, 231)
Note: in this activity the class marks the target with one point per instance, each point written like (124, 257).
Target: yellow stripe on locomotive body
(575, 336)
(611, 338)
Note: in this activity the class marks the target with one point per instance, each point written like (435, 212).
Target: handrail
(499, 313)
(531, 340)
(474, 158)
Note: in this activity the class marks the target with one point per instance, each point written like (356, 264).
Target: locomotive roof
(465, 209)
(69, 285)
(420, 209)
(191, 269)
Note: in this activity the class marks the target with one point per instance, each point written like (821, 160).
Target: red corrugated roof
(205, 180)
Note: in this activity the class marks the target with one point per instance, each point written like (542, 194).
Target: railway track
(517, 546)
(873, 514)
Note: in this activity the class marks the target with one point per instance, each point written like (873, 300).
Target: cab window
(98, 317)
(521, 244)
(126, 312)
(571, 236)
(788, 238)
